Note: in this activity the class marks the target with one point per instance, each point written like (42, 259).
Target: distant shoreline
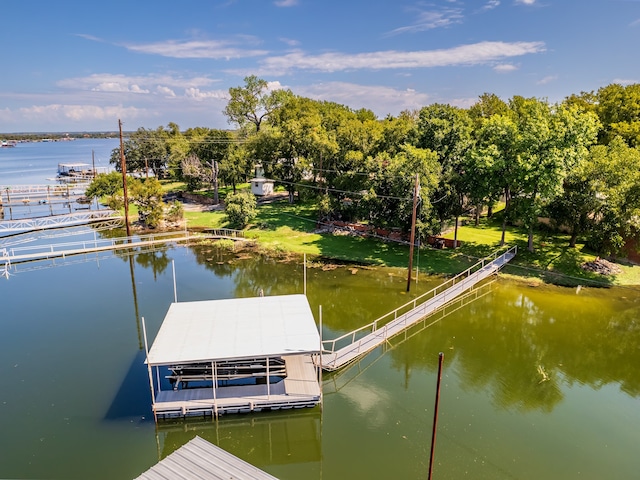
(56, 136)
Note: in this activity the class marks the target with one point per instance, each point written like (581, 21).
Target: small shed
(259, 184)
(235, 356)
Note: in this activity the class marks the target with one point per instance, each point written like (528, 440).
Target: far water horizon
(36, 163)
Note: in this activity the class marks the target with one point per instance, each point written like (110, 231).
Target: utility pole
(435, 416)
(416, 191)
(123, 167)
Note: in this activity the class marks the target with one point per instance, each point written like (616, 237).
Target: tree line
(576, 162)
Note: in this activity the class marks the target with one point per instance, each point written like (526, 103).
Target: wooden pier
(353, 345)
(199, 459)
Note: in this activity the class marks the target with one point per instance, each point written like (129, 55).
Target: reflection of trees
(214, 259)
(350, 301)
(157, 260)
(523, 344)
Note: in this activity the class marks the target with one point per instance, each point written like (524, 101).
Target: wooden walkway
(353, 345)
(199, 459)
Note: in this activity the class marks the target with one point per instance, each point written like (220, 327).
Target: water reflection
(262, 439)
(527, 346)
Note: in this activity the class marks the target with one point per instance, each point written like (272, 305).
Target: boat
(8, 144)
(78, 171)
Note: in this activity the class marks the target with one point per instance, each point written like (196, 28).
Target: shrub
(240, 208)
(175, 211)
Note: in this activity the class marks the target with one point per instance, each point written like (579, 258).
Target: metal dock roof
(211, 330)
(200, 459)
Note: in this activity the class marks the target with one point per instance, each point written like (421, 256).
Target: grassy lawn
(284, 228)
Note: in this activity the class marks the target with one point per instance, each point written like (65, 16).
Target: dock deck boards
(200, 459)
(299, 389)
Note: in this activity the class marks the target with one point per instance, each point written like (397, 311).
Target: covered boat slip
(235, 355)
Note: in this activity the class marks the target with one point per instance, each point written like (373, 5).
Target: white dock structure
(351, 346)
(234, 356)
(11, 255)
(57, 221)
(199, 459)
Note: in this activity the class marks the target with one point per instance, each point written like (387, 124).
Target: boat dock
(351, 346)
(10, 255)
(199, 459)
(234, 356)
(58, 221)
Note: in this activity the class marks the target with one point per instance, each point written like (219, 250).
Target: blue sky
(73, 65)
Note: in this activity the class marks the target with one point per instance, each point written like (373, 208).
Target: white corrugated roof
(200, 459)
(235, 328)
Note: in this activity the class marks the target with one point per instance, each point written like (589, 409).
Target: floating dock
(235, 356)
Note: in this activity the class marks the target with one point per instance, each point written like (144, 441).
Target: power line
(318, 187)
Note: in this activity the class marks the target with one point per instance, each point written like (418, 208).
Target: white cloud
(491, 4)
(526, 2)
(214, 49)
(463, 102)
(547, 79)
(624, 81)
(430, 19)
(381, 99)
(78, 113)
(635, 23)
(166, 91)
(505, 68)
(474, 54)
(197, 94)
(107, 82)
(289, 41)
(285, 3)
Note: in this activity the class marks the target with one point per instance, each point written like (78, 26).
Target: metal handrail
(373, 326)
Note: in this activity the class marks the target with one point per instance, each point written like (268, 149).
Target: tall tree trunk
(574, 237)
(507, 203)
(214, 168)
(533, 220)
(455, 234)
(478, 210)
(504, 230)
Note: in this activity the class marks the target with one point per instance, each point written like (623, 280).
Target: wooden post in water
(413, 230)
(435, 415)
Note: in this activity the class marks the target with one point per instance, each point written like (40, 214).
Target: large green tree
(618, 107)
(446, 130)
(144, 151)
(254, 102)
(551, 141)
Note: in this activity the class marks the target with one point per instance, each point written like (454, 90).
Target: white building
(259, 184)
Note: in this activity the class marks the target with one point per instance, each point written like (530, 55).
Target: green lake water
(538, 382)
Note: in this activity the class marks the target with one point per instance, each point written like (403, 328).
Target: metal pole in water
(175, 291)
(320, 365)
(435, 415)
